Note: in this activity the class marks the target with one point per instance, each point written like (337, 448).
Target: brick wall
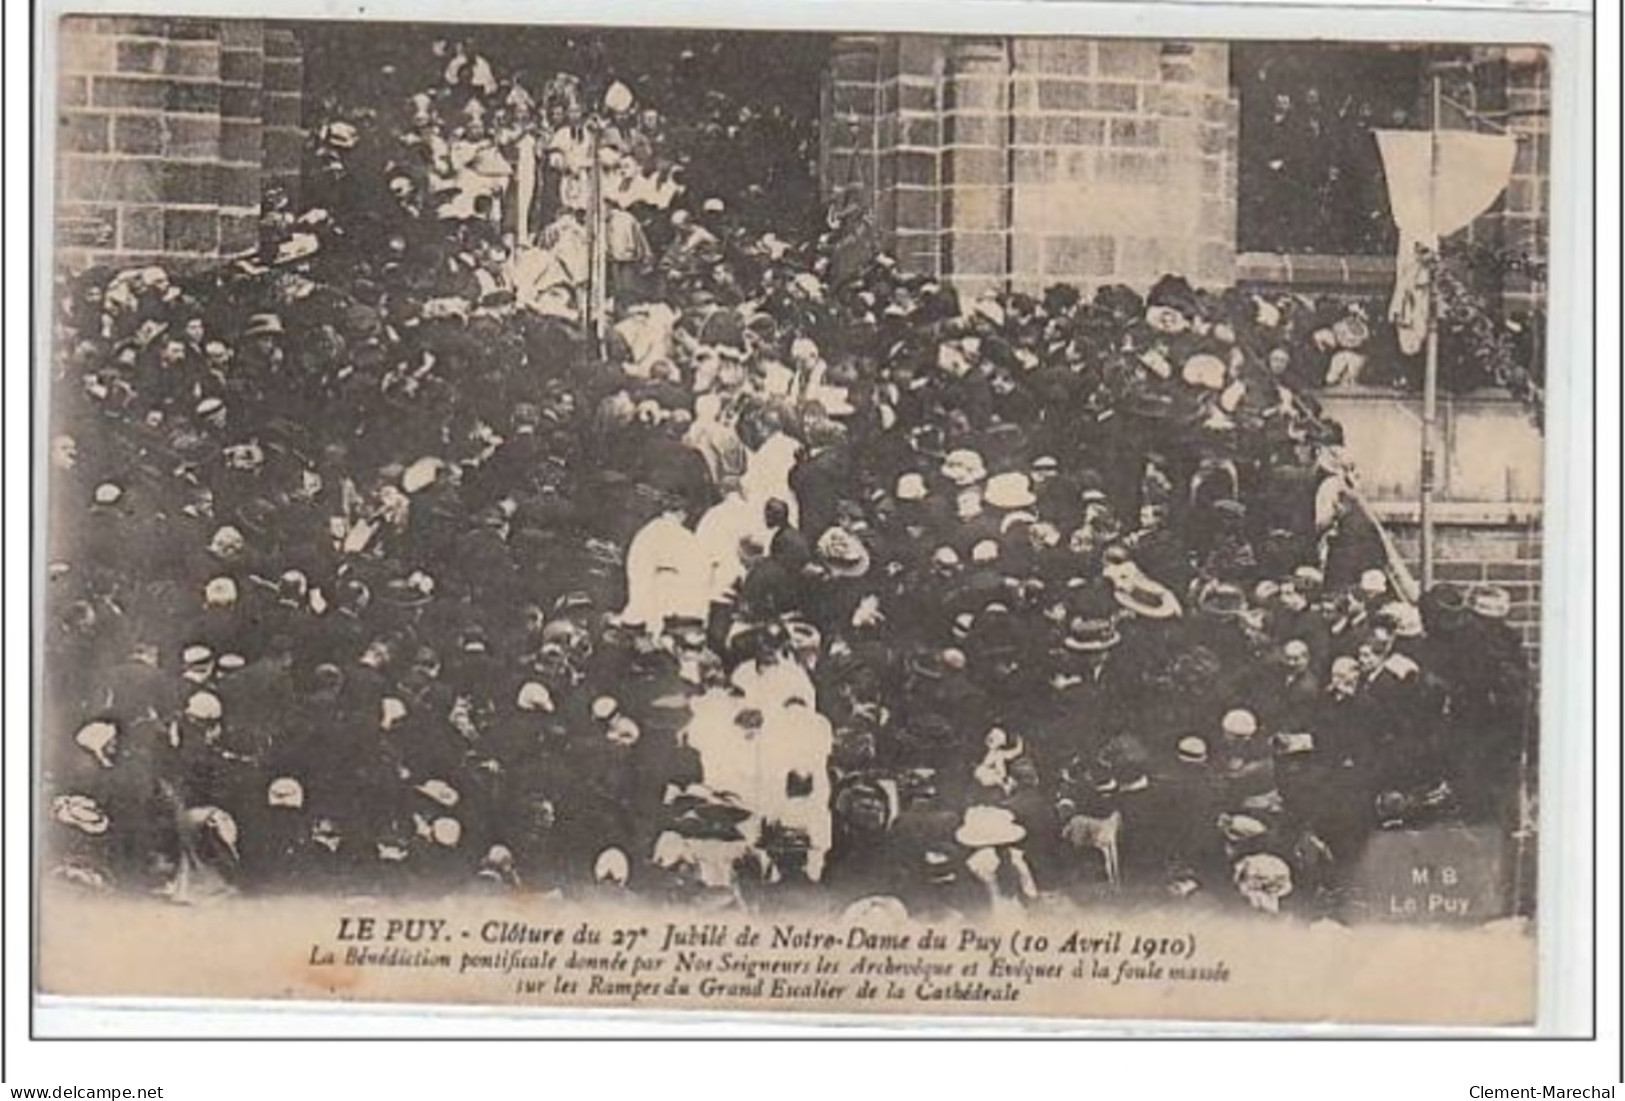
(159, 139)
(1504, 554)
(1035, 161)
(282, 104)
(1526, 208)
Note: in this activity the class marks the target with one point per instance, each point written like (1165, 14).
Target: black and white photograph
(1039, 525)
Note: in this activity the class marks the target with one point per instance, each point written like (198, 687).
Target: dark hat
(1175, 293)
(1086, 636)
(264, 324)
(1223, 600)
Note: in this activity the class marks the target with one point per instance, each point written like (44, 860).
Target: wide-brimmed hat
(1239, 723)
(964, 467)
(1404, 618)
(1192, 750)
(843, 553)
(81, 812)
(1009, 491)
(439, 791)
(1088, 636)
(911, 487)
(1492, 602)
(1173, 292)
(1146, 598)
(1241, 827)
(264, 324)
(1204, 370)
(95, 738)
(1223, 600)
(986, 826)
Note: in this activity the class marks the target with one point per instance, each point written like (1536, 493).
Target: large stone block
(978, 253)
(139, 135)
(83, 132)
(129, 93)
(1130, 59)
(976, 167)
(976, 208)
(141, 228)
(140, 55)
(1080, 256)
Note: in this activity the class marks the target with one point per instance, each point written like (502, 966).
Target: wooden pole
(1430, 377)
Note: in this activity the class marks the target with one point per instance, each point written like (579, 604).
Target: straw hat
(1010, 491)
(1492, 602)
(985, 827)
(285, 791)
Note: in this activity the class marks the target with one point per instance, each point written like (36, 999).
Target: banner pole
(1430, 377)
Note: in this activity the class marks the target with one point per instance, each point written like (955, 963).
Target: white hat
(1288, 744)
(911, 487)
(1263, 880)
(612, 866)
(713, 206)
(342, 135)
(988, 307)
(1406, 618)
(604, 707)
(1373, 582)
(204, 706)
(1239, 723)
(220, 592)
(95, 738)
(984, 552)
(1192, 749)
(876, 910)
(1241, 827)
(945, 556)
(393, 711)
(964, 467)
(230, 663)
(446, 831)
(986, 826)
(81, 812)
(421, 474)
(108, 493)
(196, 654)
(618, 98)
(440, 791)
(217, 821)
(1204, 370)
(1009, 491)
(535, 697)
(285, 791)
(1492, 602)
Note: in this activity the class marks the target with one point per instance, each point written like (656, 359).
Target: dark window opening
(1310, 176)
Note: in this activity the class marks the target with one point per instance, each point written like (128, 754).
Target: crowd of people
(375, 567)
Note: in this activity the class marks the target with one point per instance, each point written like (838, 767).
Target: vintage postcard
(1042, 526)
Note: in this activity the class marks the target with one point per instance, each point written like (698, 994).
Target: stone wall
(161, 139)
(1031, 161)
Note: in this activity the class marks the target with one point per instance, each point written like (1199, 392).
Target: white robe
(767, 475)
(770, 688)
(664, 576)
(719, 533)
(800, 741)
